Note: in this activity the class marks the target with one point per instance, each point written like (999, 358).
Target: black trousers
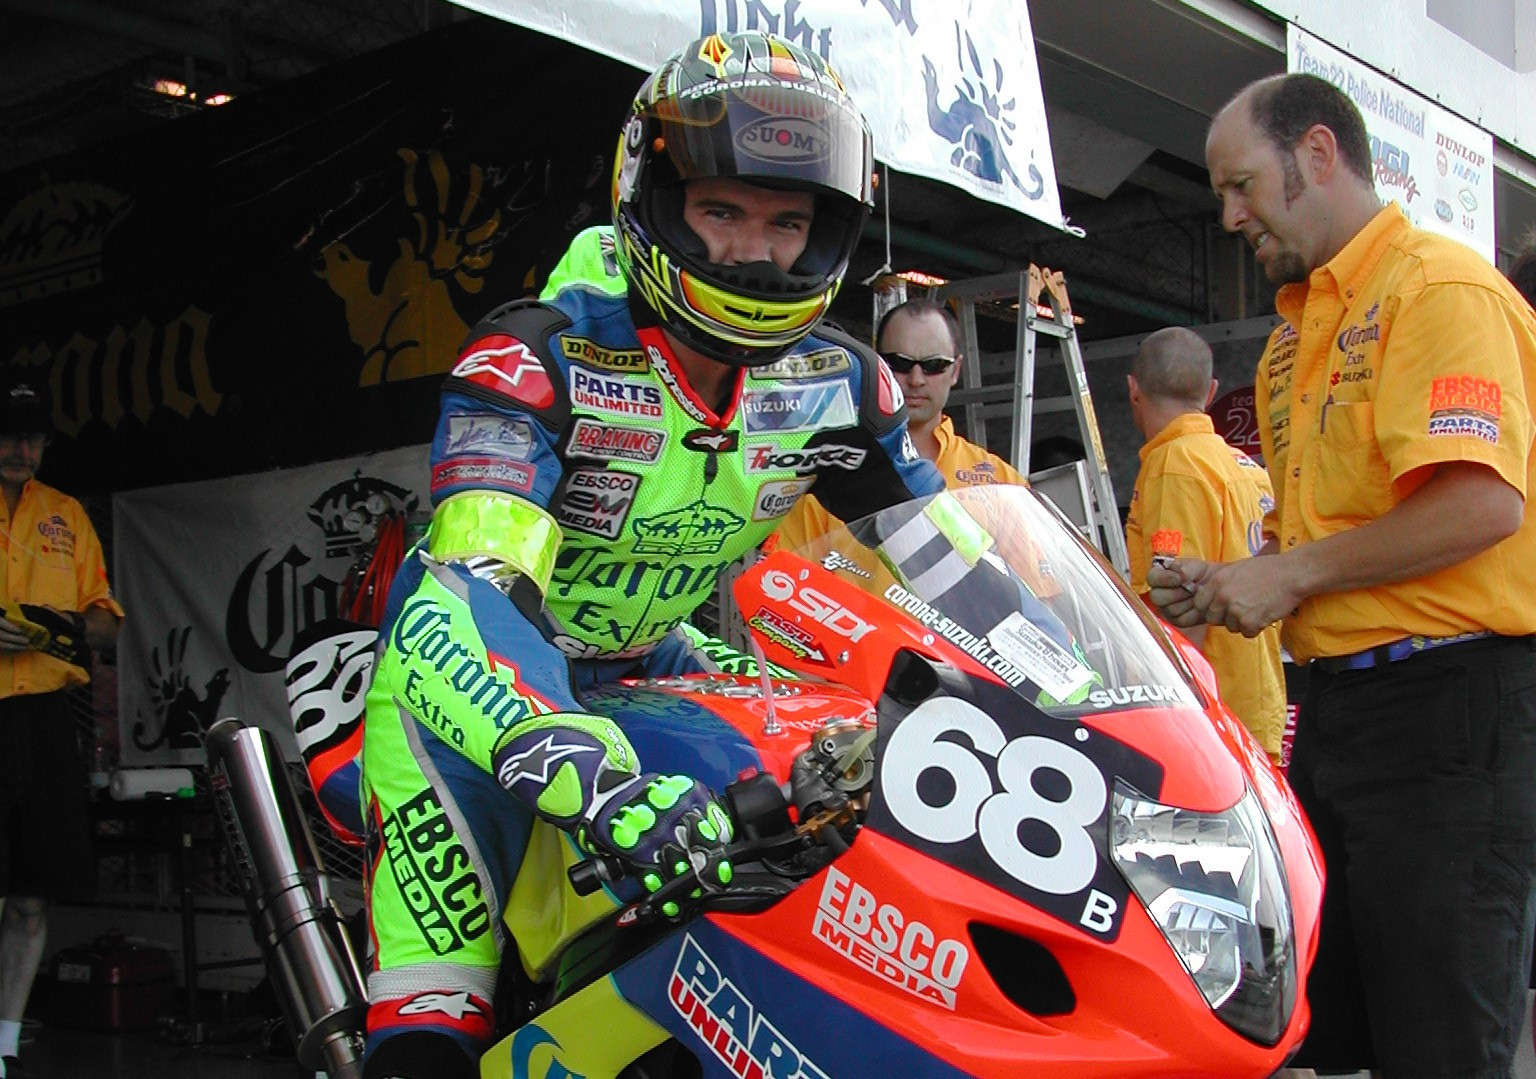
(1419, 778)
(45, 826)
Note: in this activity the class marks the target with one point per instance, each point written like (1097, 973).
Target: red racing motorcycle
(999, 824)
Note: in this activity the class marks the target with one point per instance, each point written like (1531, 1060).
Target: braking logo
(878, 937)
(612, 442)
(740, 1036)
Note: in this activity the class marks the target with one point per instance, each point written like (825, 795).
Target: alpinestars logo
(680, 393)
(744, 1040)
(455, 1005)
(504, 364)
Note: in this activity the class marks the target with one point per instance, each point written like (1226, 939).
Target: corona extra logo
(698, 528)
(409, 328)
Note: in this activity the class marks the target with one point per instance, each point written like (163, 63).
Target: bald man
(1197, 497)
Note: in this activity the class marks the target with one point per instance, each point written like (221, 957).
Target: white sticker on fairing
(1048, 664)
(879, 937)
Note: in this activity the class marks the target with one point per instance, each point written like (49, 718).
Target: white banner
(1432, 163)
(951, 90)
(219, 577)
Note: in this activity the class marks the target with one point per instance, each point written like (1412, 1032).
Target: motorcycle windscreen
(998, 573)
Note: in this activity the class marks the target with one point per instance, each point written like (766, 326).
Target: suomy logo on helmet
(787, 140)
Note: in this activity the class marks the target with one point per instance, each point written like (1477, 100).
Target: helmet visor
(759, 129)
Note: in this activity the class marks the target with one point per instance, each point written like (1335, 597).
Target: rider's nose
(749, 245)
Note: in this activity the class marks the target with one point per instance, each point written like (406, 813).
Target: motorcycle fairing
(979, 778)
(747, 1017)
(593, 1034)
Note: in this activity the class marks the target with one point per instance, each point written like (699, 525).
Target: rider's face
(740, 223)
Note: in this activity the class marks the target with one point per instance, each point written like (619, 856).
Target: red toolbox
(111, 984)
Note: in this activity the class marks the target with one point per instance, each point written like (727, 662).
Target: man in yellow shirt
(56, 606)
(1394, 409)
(1197, 497)
(920, 342)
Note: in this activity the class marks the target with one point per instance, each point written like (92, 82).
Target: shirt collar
(1189, 423)
(944, 433)
(1346, 273)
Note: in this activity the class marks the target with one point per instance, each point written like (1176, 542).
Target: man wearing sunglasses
(920, 342)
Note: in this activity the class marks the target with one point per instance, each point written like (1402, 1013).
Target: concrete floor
(55, 1053)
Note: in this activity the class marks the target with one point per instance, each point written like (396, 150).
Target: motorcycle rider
(599, 457)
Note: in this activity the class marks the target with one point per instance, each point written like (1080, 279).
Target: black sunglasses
(902, 364)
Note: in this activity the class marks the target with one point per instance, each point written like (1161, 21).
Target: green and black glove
(664, 826)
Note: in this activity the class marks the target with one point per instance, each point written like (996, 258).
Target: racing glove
(579, 772)
(665, 826)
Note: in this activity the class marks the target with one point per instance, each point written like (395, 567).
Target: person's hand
(664, 827)
(60, 634)
(12, 639)
(1247, 595)
(1172, 588)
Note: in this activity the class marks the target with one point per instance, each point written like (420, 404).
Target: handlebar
(766, 833)
(588, 876)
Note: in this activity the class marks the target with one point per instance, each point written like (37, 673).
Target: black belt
(1392, 652)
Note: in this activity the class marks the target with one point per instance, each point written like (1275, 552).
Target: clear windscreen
(1000, 574)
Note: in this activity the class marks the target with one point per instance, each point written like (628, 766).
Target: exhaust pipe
(312, 964)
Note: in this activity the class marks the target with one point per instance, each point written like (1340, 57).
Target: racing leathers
(585, 500)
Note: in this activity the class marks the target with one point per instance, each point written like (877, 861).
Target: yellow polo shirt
(1405, 351)
(51, 557)
(963, 463)
(1197, 497)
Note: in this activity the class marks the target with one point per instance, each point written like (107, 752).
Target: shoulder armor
(507, 361)
(881, 404)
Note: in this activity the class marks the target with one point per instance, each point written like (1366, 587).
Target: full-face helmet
(756, 108)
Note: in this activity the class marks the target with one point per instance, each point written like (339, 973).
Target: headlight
(1215, 885)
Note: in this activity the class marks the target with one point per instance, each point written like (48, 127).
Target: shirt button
(1291, 542)
(1305, 398)
(1296, 472)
